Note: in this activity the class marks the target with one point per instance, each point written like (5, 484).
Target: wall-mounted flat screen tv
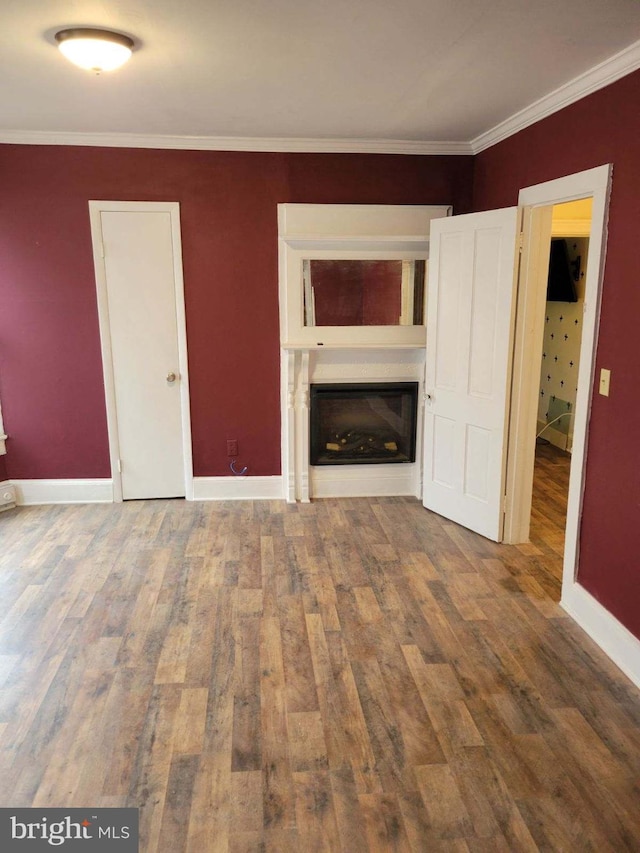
(561, 286)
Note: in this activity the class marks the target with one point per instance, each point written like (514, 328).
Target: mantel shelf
(351, 346)
(356, 238)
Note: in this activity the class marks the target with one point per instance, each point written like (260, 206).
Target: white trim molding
(604, 629)
(594, 183)
(237, 488)
(537, 203)
(35, 492)
(612, 69)
(237, 143)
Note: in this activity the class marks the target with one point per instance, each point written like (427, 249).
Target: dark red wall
(356, 293)
(381, 298)
(602, 128)
(52, 390)
(3, 469)
(337, 287)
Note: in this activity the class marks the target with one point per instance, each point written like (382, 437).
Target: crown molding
(236, 143)
(612, 69)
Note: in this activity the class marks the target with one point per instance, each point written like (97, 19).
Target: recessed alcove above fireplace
(363, 423)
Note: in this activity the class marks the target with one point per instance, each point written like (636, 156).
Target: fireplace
(364, 423)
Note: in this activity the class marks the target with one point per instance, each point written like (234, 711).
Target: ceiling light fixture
(95, 50)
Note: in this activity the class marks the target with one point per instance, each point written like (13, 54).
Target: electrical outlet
(232, 447)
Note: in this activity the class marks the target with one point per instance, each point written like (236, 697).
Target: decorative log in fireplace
(364, 423)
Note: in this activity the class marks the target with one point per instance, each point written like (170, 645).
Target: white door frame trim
(594, 183)
(173, 208)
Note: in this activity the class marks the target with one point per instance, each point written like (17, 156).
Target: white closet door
(140, 285)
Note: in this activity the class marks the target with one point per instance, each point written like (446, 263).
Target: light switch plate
(605, 378)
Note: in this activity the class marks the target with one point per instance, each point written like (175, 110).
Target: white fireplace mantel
(303, 367)
(349, 353)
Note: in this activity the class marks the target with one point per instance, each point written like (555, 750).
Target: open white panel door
(468, 365)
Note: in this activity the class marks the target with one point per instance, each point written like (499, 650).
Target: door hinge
(504, 503)
(521, 241)
(119, 466)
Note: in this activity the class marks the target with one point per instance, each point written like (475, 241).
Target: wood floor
(548, 514)
(349, 675)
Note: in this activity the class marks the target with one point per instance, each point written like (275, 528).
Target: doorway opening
(537, 204)
(560, 363)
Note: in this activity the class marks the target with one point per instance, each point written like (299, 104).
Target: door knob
(171, 377)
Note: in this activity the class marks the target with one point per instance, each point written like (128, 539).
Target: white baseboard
(238, 488)
(364, 481)
(32, 492)
(604, 629)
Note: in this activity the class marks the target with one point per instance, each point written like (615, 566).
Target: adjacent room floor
(349, 675)
(548, 513)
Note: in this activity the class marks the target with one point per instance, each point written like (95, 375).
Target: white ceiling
(435, 71)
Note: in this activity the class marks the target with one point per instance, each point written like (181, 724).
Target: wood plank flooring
(349, 675)
(548, 513)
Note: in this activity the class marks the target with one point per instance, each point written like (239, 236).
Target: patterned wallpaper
(561, 355)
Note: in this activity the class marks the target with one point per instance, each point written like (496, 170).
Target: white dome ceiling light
(93, 49)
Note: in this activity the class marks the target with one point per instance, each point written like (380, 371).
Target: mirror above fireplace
(362, 292)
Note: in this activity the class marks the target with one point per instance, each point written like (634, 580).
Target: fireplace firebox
(364, 423)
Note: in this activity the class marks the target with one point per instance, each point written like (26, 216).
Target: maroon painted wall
(356, 293)
(602, 128)
(52, 389)
(382, 295)
(337, 289)
(3, 469)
